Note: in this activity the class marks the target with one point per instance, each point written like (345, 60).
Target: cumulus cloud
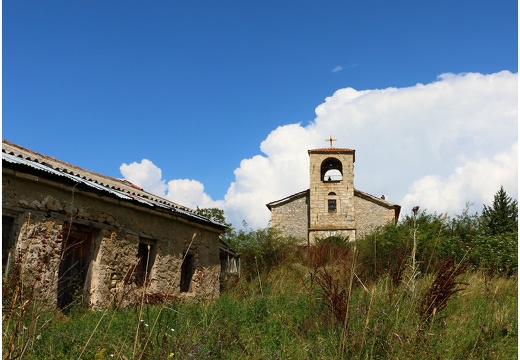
(189, 193)
(436, 145)
(145, 174)
(476, 180)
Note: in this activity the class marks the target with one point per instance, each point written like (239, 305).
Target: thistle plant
(414, 267)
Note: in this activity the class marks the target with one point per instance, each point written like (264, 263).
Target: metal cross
(331, 140)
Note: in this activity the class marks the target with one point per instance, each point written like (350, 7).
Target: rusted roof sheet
(35, 165)
(122, 189)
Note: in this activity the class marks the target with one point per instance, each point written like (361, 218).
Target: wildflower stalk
(414, 270)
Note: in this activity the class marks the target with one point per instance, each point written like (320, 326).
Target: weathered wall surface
(292, 218)
(370, 215)
(42, 212)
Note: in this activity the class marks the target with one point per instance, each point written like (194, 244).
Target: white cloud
(437, 145)
(476, 180)
(190, 193)
(145, 174)
(337, 68)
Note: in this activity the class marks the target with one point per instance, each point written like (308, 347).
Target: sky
(214, 103)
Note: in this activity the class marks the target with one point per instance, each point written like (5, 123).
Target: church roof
(379, 200)
(288, 199)
(334, 150)
(20, 157)
(331, 150)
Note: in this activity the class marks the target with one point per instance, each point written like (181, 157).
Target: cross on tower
(331, 140)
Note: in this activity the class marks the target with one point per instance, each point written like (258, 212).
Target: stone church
(331, 206)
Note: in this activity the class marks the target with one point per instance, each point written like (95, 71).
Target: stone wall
(44, 212)
(371, 215)
(321, 221)
(291, 218)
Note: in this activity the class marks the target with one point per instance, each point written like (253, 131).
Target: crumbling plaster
(44, 207)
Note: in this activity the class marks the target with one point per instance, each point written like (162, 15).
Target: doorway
(74, 265)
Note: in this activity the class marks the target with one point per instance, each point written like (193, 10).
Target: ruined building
(77, 234)
(331, 207)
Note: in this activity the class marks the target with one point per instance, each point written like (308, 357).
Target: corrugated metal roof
(24, 157)
(35, 165)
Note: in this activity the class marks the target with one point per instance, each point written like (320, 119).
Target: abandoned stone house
(82, 235)
(331, 207)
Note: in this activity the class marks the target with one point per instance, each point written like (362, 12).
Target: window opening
(74, 264)
(7, 240)
(187, 269)
(332, 205)
(146, 259)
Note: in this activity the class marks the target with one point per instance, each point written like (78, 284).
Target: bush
(261, 250)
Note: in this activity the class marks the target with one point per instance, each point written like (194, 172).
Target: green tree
(218, 216)
(502, 216)
(214, 214)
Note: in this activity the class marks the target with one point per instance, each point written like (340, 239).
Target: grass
(289, 317)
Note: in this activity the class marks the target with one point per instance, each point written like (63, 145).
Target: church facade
(331, 207)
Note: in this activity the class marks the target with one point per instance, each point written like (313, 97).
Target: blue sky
(201, 90)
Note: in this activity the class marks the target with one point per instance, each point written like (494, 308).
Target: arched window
(331, 170)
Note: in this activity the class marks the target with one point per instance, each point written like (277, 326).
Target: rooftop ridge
(101, 179)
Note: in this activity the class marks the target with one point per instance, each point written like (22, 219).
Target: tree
(217, 215)
(502, 216)
(214, 214)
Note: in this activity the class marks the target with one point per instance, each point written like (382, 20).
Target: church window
(331, 170)
(332, 205)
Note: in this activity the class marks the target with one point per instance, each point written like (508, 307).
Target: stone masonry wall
(42, 211)
(370, 215)
(291, 218)
(341, 222)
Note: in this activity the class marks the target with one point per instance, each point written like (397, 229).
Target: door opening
(74, 264)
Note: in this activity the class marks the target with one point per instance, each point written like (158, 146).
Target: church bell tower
(331, 195)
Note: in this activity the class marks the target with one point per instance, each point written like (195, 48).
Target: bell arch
(331, 170)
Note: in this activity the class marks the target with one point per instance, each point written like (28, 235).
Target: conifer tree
(502, 216)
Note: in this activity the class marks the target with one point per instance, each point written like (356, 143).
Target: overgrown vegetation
(335, 300)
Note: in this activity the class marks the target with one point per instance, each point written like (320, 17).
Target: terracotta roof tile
(331, 150)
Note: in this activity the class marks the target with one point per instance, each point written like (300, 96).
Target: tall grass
(293, 319)
(316, 303)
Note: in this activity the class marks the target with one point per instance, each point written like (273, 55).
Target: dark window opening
(146, 258)
(187, 269)
(332, 205)
(7, 240)
(74, 265)
(331, 170)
